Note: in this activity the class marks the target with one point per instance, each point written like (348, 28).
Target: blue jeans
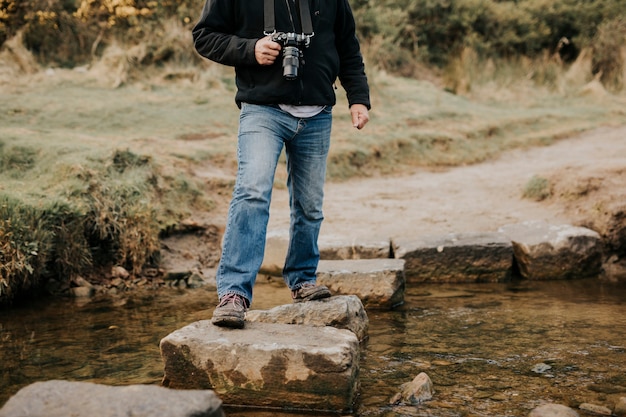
(263, 131)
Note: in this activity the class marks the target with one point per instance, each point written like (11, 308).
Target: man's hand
(360, 115)
(266, 51)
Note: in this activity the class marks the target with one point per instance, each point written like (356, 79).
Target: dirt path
(473, 198)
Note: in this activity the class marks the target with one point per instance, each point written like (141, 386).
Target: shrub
(39, 242)
(70, 250)
(11, 18)
(537, 188)
(608, 53)
(25, 243)
(438, 31)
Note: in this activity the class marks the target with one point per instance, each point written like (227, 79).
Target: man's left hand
(360, 115)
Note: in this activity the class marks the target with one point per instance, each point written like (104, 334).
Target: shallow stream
(490, 349)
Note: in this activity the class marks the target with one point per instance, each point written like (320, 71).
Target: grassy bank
(93, 170)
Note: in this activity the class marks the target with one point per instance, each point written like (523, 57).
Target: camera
(292, 45)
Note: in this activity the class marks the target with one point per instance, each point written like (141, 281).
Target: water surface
(490, 349)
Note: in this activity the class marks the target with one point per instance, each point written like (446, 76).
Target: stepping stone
(330, 248)
(85, 399)
(550, 252)
(266, 365)
(333, 248)
(379, 283)
(342, 312)
(468, 257)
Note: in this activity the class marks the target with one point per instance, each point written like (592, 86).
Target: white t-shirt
(301, 111)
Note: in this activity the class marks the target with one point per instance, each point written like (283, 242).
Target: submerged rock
(541, 368)
(416, 391)
(553, 410)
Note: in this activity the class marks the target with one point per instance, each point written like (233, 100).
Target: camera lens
(291, 62)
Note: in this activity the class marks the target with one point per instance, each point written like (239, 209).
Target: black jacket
(228, 30)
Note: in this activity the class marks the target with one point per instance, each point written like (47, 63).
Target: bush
(438, 31)
(69, 32)
(537, 188)
(25, 243)
(12, 14)
(37, 243)
(50, 29)
(608, 53)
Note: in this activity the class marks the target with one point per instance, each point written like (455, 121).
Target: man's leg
(306, 165)
(258, 150)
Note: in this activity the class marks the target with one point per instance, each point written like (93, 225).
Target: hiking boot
(310, 292)
(230, 312)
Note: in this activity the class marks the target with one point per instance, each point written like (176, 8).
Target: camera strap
(305, 17)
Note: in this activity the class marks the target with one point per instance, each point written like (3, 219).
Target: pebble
(620, 407)
(553, 410)
(595, 409)
(541, 368)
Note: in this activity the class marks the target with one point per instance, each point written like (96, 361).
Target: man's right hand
(266, 51)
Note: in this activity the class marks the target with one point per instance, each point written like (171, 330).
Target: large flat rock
(266, 364)
(546, 251)
(463, 257)
(379, 283)
(85, 399)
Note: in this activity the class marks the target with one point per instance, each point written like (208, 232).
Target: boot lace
(237, 300)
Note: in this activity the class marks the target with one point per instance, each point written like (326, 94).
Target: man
(279, 111)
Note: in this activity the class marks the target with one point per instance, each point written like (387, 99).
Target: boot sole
(229, 321)
(318, 295)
